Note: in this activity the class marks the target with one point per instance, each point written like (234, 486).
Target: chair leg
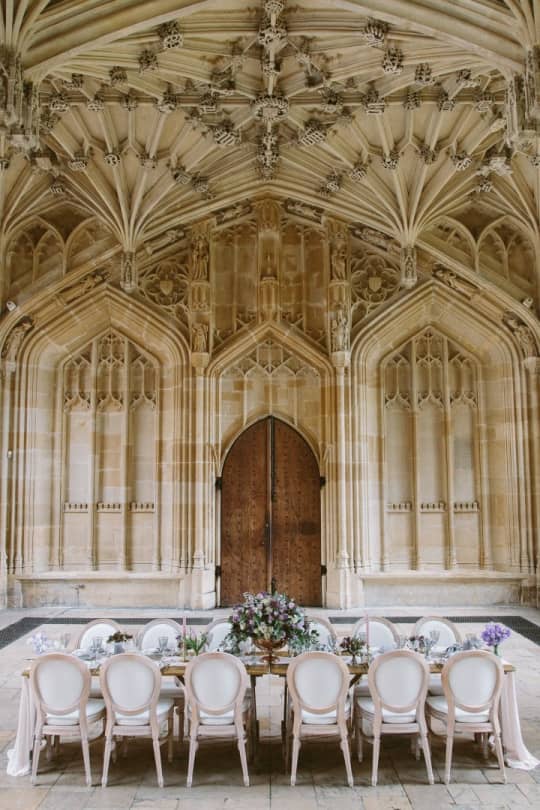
(170, 736)
(243, 759)
(448, 757)
(347, 757)
(157, 757)
(35, 754)
(106, 759)
(86, 758)
(294, 761)
(193, 745)
(359, 738)
(427, 754)
(499, 750)
(376, 749)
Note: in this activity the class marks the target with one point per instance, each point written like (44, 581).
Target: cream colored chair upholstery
(60, 684)
(398, 684)
(217, 704)
(131, 685)
(318, 685)
(472, 683)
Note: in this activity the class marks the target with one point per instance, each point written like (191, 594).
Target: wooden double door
(271, 515)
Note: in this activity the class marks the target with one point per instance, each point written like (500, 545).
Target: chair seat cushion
(225, 719)
(94, 710)
(439, 704)
(327, 719)
(435, 685)
(366, 705)
(164, 705)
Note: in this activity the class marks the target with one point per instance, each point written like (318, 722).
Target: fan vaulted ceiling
(150, 115)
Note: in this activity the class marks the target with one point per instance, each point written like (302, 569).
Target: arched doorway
(271, 515)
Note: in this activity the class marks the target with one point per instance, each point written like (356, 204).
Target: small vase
(118, 647)
(496, 650)
(268, 645)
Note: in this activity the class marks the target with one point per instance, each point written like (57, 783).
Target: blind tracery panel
(431, 482)
(109, 456)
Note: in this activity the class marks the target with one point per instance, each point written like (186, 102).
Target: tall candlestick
(184, 625)
(367, 631)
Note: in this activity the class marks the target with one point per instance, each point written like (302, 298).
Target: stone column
(532, 365)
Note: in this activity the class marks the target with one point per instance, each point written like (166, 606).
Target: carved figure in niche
(523, 335)
(338, 257)
(85, 285)
(340, 330)
(15, 339)
(200, 259)
(200, 337)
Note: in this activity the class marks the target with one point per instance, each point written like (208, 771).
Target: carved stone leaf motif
(167, 285)
(373, 281)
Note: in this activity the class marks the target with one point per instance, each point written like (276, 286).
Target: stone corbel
(523, 334)
(13, 342)
(128, 272)
(409, 270)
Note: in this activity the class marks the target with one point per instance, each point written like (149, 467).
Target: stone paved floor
(321, 780)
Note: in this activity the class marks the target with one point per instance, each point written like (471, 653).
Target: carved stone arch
(444, 228)
(84, 242)
(23, 253)
(501, 391)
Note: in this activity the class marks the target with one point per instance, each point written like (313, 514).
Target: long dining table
(516, 752)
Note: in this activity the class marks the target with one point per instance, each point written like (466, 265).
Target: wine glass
(163, 642)
(434, 635)
(65, 638)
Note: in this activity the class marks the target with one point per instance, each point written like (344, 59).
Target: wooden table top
(279, 667)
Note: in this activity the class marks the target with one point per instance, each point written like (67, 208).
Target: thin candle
(184, 625)
(367, 630)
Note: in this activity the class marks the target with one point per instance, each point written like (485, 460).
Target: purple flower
(494, 633)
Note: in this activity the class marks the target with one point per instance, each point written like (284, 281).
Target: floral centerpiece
(270, 620)
(353, 645)
(191, 642)
(119, 638)
(493, 634)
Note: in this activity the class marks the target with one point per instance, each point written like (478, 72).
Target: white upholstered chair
(324, 630)
(60, 685)
(217, 704)
(398, 682)
(472, 682)
(131, 687)
(98, 628)
(171, 687)
(216, 632)
(318, 685)
(448, 635)
(382, 633)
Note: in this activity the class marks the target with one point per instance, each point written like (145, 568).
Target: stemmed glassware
(96, 649)
(65, 638)
(163, 643)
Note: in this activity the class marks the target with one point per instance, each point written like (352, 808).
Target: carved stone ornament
(373, 281)
(455, 282)
(303, 210)
(170, 35)
(313, 133)
(167, 103)
(465, 79)
(199, 338)
(373, 103)
(483, 102)
(57, 187)
(331, 185)
(339, 330)
(444, 102)
(82, 287)
(169, 238)
(96, 104)
(358, 172)
(523, 334)
(409, 271)
(427, 154)
(78, 163)
(268, 107)
(391, 160)
(128, 272)
(339, 254)
(423, 75)
(268, 155)
(180, 176)
(272, 34)
(375, 32)
(332, 101)
(373, 237)
(129, 102)
(200, 258)
(112, 158)
(201, 185)
(461, 161)
(232, 212)
(166, 285)
(13, 342)
(58, 103)
(117, 75)
(413, 100)
(225, 134)
(148, 61)
(392, 62)
(147, 161)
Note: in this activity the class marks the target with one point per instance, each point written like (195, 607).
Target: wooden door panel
(243, 512)
(296, 513)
